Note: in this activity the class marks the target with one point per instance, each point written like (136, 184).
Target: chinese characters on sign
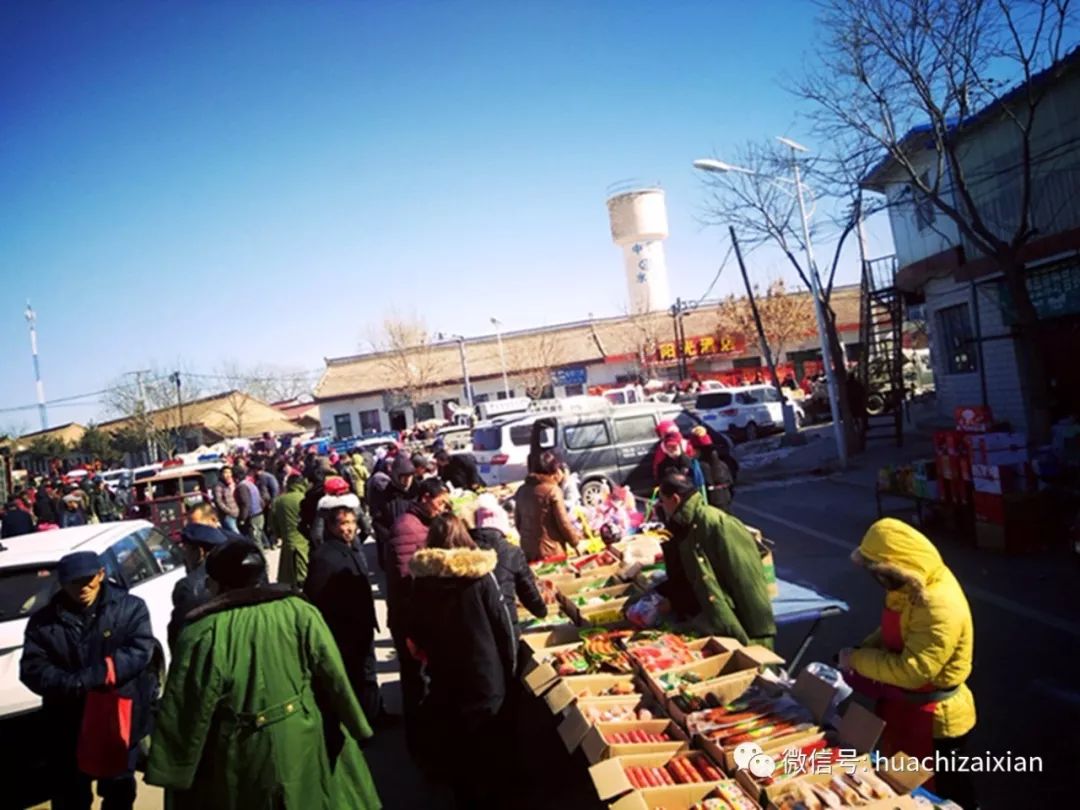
(702, 346)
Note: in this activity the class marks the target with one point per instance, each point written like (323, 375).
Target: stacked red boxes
(953, 467)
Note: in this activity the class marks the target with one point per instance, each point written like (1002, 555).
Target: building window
(370, 421)
(924, 207)
(957, 339)
(575, 390)
(505, 394)
(423, 412)
(478, 398)
(342, 425)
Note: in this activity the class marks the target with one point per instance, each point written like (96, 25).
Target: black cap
(205, 536)
(237, 564)
(77, 565)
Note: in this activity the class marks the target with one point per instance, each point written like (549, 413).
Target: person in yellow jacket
(917, 662)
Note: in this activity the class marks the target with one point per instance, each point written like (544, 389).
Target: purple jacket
(409, 536)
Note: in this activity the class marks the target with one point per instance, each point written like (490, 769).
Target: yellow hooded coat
(935, 622)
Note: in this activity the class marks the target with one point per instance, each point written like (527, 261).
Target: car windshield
(487, 438)
(24, 590)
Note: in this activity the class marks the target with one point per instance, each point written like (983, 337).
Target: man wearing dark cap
(459, 470)
(196, 542)
(393, 502)
(258, 710)
(91, 634)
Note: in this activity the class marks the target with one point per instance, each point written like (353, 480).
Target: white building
(974, 354)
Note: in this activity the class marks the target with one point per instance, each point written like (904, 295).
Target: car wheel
(875, 404)
(751, 431)
(592, 493)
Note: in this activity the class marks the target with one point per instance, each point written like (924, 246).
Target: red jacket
(409, 536)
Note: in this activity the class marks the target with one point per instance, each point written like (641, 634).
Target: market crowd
(271, 695)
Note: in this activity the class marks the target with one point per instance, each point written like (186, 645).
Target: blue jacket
(190, 592)
(64, 656)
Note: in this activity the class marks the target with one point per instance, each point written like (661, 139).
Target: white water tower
(639, 226)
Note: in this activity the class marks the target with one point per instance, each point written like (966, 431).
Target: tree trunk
(1031, 365)
(839, 364)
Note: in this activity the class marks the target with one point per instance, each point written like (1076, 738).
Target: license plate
(485, 468)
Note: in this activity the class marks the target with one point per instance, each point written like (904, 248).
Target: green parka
(723, 568)
(295, 548)
(239, 727)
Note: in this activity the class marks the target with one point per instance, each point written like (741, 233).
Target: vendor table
(799, 603)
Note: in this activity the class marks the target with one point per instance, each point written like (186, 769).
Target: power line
(716, 278)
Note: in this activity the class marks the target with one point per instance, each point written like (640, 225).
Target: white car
(501, 449)
(133, 552)
(749, 410)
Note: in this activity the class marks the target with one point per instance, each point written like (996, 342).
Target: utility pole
(502, 356)
(788, 411)
(141, 413)
(31, 319)
(175, 377)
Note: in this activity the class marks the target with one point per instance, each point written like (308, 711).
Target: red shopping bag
(105, 736)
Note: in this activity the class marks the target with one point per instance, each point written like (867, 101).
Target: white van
(501, 448)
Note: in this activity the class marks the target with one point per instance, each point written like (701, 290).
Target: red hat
(666, 428)
(335, 485)
(699, 437)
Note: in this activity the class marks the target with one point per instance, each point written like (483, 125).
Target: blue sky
(262, 182)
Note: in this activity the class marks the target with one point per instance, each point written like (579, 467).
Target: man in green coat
(285, 519)
(240, 725)
(715, 576)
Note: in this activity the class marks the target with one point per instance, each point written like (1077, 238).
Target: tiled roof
(547, 347)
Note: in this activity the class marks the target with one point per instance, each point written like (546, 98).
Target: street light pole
(464, 364)
(815, 290)
(502, 356)
(31, 319)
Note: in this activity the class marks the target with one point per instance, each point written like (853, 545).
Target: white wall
(1004, 395)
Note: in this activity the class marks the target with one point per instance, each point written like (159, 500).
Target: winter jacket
(719, 480)
(461, 472)
(681, 463)
(225, 499)
(102, 505)
(285, 519)
(360, 474)
(308, 526)
(409, 536)
(459, 621)
(16, 521)
(723, 568)
(542, 519)
(392, 504)
(64, 657)
(268, 487)
(935, 622)
(515, 578)
(248, 499)
(255, 679)
(338, 585)
(46, 509)
(72, 517)
(190, 592)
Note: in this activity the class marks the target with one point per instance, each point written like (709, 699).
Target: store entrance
(1060, 338)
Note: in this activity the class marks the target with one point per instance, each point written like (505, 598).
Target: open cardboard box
(626, 590)
(598, 746)
(858, 730)
(716, 667)
(673, 797)
(707, 646)
(610, 779)
(539, 673)
(607, 614)
(588, 582)
(576, 723)
(557, 637)
(903, 782)
(566, 690)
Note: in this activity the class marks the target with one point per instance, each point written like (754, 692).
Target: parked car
(134, 553)
(501, 448)
(164, 499)
(748, 411)
(613, 445)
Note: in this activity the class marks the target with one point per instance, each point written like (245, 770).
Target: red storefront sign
(704, 346)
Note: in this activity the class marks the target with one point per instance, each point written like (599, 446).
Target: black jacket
(16, 521)
(390, 504)
(309, 511)
(338, 585)
(719, 480)
(515, 578)
(46, 509)
(457, 618)
(461, 472)
(681, 463)
(190, 592)
(64, 657)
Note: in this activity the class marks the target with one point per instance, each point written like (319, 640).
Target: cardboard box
(626, 591)
(609, 776)
(576, 722)
(858, 730)
(608, 614)
(902, 782)
(716, 667)
(725, 690)
(545, 639)
(674, 797)
(539, 674)
(566, 690)
(598, 746)
(973, 418)
(576, 585)
(707, 646)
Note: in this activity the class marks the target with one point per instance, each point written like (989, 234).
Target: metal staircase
(881, 369)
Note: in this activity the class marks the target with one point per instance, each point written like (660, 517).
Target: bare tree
(645, 331)
(534, 358)
(153, 407)
(235, 407)
(887, 67)
(266, 382)
(786, 317)
(761, 206)
(409, 358)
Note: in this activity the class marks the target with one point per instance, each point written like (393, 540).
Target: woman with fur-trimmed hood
(460, 628)
(917, 662)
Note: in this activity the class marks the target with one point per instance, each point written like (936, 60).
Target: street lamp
(502, 355)
(710, 165)
(464, 364)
